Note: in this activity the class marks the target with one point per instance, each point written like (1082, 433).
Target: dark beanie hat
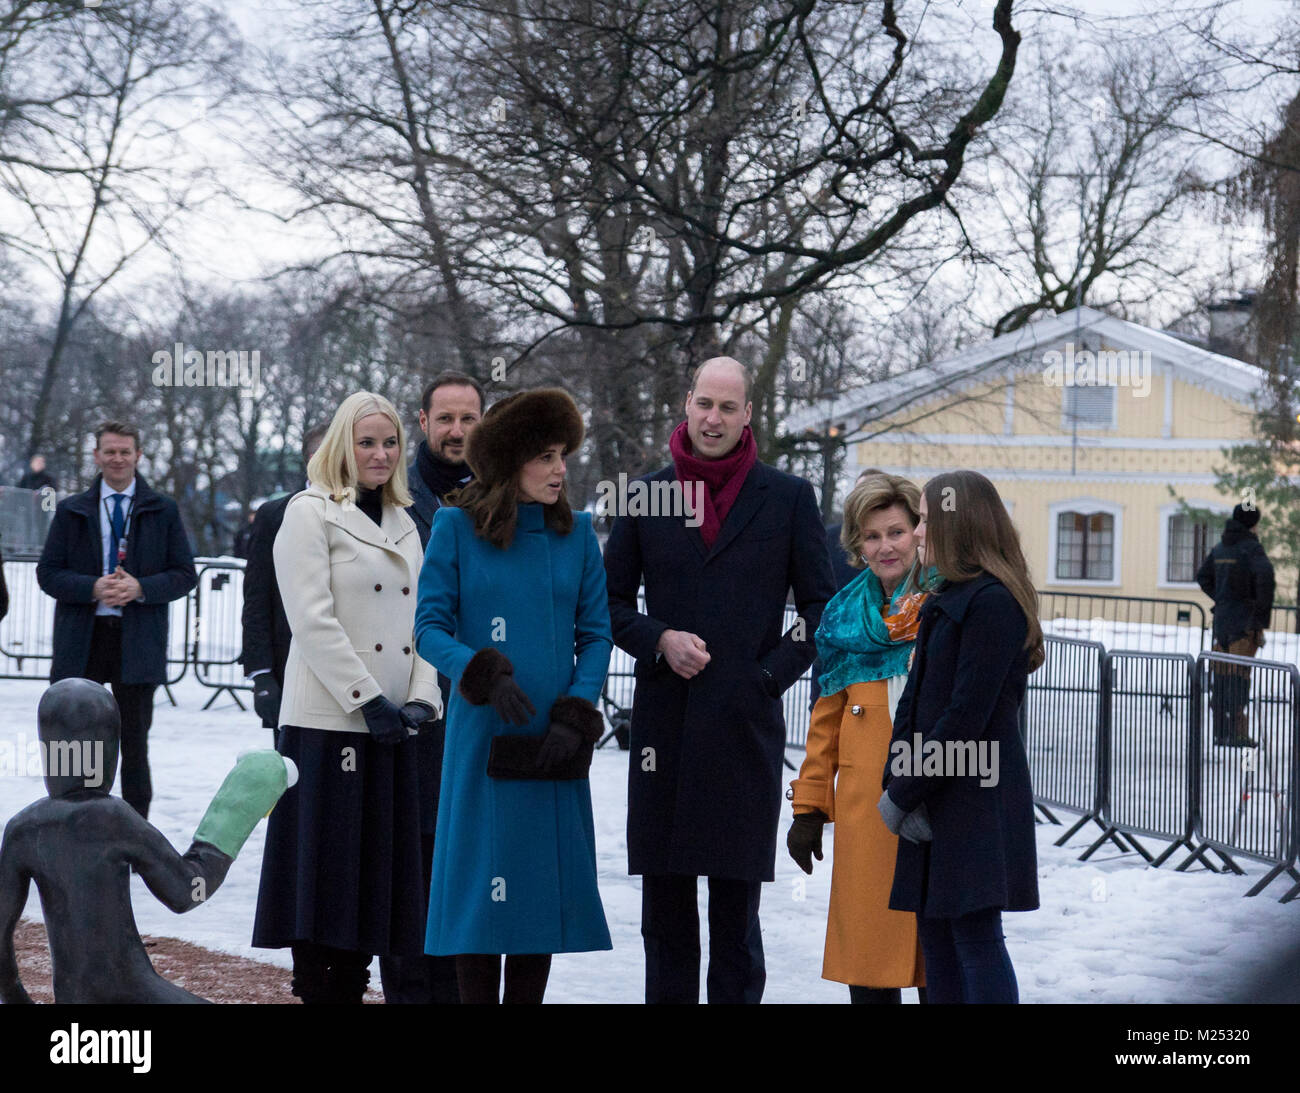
(1247, 518)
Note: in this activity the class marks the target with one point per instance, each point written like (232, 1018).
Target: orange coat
(867, 944)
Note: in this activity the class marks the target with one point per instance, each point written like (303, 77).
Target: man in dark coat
(265, 628)
(115, 557)
(1238, 577)
(450, 408)
(708, 731)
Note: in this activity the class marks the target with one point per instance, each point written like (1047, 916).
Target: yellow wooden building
(1083, 421)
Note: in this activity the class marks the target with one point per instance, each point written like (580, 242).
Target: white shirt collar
(106, 491)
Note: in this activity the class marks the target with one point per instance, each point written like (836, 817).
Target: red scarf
(722, 478)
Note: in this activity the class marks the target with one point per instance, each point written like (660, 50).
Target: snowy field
(1109, 930)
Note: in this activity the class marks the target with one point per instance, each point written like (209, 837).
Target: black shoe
(1242, 741)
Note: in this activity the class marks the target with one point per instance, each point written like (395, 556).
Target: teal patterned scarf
(853, 639)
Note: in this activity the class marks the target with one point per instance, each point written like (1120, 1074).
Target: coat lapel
(678, 523)
(748, 502)
(387, 536)
(86, 504)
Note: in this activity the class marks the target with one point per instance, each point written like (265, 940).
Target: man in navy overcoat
(114, 558)
(266, 634)
(708, 731)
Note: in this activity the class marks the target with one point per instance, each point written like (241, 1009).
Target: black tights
(881, 995)
(479, 975)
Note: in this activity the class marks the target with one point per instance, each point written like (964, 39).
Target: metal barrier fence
(1147, 749)
(1063, 719)
(218, 629)
(1157, 745)
(25, 518)
(27, 631)
(1249, 797)
(1282, 641)
(1126, 622)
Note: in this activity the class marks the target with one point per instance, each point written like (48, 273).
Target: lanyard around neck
(126, 517)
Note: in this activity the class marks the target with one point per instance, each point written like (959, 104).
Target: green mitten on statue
(250, 791)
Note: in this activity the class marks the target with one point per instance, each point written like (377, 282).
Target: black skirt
(342, 860)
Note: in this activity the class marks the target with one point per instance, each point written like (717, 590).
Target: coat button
(378, 647)
(406, 649)
(379, 588)
(406, 591)
(789, 793)
(356, 694)
(856, 711)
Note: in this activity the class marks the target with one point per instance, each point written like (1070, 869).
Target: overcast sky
(225, 244)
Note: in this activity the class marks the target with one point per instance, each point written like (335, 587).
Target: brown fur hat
(520, 427)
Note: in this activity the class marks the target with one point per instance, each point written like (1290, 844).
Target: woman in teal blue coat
(513, 610)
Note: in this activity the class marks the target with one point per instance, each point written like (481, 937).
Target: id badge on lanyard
(126, 528)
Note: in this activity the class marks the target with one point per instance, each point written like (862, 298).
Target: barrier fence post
(1063, 718)
(1249, 712)
(1148, 764)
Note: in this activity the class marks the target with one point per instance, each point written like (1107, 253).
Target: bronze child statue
(78, 844)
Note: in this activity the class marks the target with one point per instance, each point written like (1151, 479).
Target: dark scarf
(722, 477)
(440, 475)
(371, 502)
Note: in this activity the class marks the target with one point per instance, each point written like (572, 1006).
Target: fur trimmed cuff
(580, 715)
(481, 672)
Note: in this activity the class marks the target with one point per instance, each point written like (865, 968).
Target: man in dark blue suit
(115, 557)
(265, 627)
(708, 731)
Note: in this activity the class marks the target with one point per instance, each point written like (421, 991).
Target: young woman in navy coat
(967, 850)
(513, 610)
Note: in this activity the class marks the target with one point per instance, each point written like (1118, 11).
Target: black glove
(510, 702)
(559, 745)
(417, 714)
(266, 698)
(804, 839)
(385, 721)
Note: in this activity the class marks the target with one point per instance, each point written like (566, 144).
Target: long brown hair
(968, 532)
(493, 506)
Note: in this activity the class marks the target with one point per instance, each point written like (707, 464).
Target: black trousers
(420, 980)
(670, 928)
(134, 703)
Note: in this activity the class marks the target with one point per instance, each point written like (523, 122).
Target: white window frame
(1085, 504)
(1175, 509)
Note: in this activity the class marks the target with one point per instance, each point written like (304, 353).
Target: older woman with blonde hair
(341, 872)
(864, 645)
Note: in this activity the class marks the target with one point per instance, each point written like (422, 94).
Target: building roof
(1021, 349)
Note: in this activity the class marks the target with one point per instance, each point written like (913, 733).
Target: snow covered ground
(1109, 930)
